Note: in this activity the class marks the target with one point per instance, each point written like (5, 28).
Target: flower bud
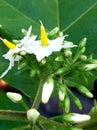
(77, 102)
(53, 32)
(68, 53)
(83, 58)
(43, 61)
(21, 65)
(47, 90)
(23, 53)
(14, 97)
(90, 67)
(60, 34)
(32, 115)
(85, 91)
(60, 70)
(82, 42)
(16, 41)
(24, 31)
(73, 118)
(59, 59)
(67, 104)
(33, 72)
(82, 50)
(77, 118)
(61, 95)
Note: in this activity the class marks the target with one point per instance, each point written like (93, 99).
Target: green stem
(13, 115)
(37, 99)
(24, 105)
(21, 116)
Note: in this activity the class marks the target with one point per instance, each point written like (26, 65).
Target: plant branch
(21, 116)
(37, 99)
(43, 121)
(13, 115)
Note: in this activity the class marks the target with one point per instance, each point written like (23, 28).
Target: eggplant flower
(44, 47)
(13, 54)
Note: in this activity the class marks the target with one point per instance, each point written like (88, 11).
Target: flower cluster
(51, 59)
(41, 48)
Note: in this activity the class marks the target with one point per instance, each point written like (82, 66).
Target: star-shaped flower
(40, 48)
(13, 54)
(44, 47)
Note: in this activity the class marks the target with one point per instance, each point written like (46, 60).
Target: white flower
(53, 46)
(44, 47)
(76, 118)
(12, 54)
(14, 97)
(32, 115)
(47, 91)
(41, 48)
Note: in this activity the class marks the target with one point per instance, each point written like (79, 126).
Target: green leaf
(13, 20)
(36, 10)
(70, 16)
(76, 18)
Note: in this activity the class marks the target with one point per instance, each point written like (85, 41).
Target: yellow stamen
(44, 38)
(8, 43)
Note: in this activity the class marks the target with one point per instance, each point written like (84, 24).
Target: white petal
(26, 41)
(29, 31)
(56, 44)
(57, 40)
(38, 50)
(68, 45)
(9, 56)
(11, 64)
(44, 51)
